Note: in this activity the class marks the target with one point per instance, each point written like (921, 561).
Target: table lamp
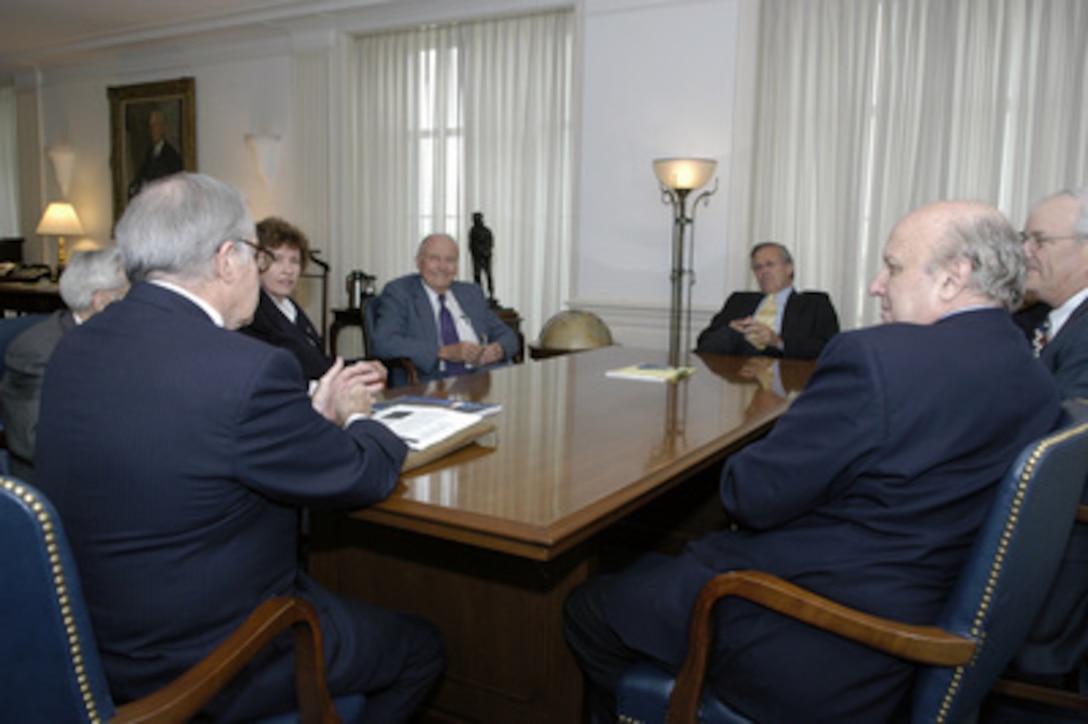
(60, 220)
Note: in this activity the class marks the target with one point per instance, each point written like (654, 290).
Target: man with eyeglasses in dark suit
(1056, 244)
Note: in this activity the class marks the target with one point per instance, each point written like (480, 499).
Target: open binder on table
(431, 432)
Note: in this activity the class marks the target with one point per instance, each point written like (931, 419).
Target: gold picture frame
(152, 134)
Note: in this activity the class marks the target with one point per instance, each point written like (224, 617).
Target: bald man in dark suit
(869, 490)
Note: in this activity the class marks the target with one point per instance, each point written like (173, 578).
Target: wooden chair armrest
(921, 644)
(1041, 694)
(409, 368)
(182, 698)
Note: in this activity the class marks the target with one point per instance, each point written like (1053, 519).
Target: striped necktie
(1041, 336)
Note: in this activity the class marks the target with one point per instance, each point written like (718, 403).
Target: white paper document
(421, 426)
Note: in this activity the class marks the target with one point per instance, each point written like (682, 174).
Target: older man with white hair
(92, 279)
(1056, 244)
(178, 453)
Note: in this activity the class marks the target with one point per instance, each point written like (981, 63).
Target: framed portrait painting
(152, 134)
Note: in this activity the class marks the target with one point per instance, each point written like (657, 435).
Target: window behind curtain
(9, 165)
(449, 120)
(866, 110)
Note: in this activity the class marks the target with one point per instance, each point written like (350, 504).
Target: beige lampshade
(684, 173)
(60, 219)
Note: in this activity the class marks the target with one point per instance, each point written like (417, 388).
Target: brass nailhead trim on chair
(50, 539)
(999, 557)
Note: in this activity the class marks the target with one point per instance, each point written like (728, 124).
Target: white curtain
(9, 165)
(867, 110)
(455, 119)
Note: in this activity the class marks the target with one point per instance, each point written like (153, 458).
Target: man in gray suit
(445, 327)
(91, 280)
(1056, 244)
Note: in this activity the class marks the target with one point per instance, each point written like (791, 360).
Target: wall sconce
(679, 177)
(266, 152)
(63, 158)
(60, 220)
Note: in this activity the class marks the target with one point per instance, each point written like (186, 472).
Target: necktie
(449, 334)
(768, 315)
(1041, 337)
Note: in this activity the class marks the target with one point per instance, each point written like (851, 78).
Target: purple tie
(449, 334)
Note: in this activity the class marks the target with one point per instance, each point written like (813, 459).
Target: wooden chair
(999, 591)
(52, 670)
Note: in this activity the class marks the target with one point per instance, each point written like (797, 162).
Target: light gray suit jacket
(405, 323)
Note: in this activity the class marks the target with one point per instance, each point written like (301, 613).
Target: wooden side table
(342, 318)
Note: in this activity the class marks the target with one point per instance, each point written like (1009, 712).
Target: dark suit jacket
(270, 325)
(405, 325)
(808, 322)
(868, 490)
(21, 387)
(1066, 355)
(166, 163)
(176, 453)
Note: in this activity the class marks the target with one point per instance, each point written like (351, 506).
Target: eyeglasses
(1038, 238)
(264, 256)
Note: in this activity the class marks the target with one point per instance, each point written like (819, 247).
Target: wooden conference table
(488, 541)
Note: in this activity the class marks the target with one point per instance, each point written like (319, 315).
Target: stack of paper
(431, 432)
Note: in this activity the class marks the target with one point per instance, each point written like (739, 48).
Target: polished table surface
(577, 450)
(488, 542)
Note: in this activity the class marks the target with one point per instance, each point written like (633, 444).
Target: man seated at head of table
(178, 453)
(1056, 244)
(776, 321)
(92, 280)
(445, 327)
(868, 490)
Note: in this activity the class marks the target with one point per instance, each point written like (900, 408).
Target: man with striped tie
(776, 321)
(1056, 245)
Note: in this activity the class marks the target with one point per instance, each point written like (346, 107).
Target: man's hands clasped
(347, 390)
(470, 353)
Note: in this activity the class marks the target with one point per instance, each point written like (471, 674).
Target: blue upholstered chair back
(1009, 571)
(51, 671)
(48, 654)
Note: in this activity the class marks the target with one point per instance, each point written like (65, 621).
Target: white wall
(658, 82)
(657, 79)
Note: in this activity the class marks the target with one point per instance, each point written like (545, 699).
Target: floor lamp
(679, 177)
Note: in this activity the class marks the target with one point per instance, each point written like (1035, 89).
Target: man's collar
(783, 294)
(211, 311)
(1060, 315)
